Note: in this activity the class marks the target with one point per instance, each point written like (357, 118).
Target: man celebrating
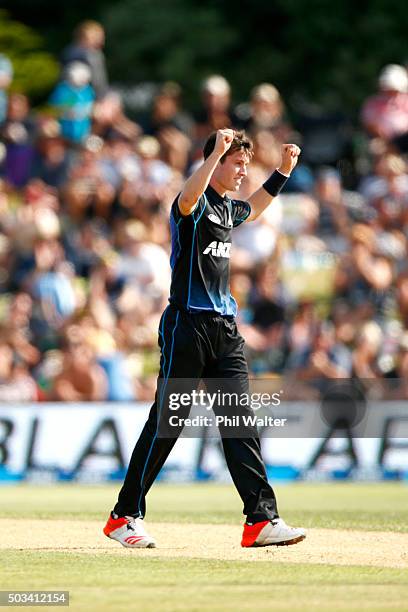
(198, 337)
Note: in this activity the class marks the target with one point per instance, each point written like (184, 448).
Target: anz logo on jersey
(218, 249)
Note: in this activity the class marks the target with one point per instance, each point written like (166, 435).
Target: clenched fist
(223, 141)
(290, 154)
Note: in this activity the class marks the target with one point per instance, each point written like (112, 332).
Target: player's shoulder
(202, 202)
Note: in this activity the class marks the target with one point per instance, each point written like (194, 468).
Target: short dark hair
(240, 141)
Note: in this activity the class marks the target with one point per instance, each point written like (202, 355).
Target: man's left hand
(290, 154)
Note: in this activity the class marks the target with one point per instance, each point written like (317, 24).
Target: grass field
(355, 556)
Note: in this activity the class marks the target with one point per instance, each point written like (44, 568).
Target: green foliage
(35, 70)
(152, 40)
(326, 51)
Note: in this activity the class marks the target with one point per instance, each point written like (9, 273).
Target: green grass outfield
(117, 581)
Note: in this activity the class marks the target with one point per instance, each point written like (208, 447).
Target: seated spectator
(52, 160)
(215, 112)
(6, 76)
(175, 147)
(396, 383)
(151, 183)
(51, 286)
(144, 264)
(81, 378)
(166, 112)
(264, 334)
(88, 245)
(17, 331)
(18, 132)
(172, 127)
(402, 297)
(265, 111)
(257, 241)
(385, 114)
(304, 327)
(16, 383)
(87, 192)
(389, 179)
(366, 352)
(267, 152)
(333, 223)
(73, 100)
(110, 121)
(324, 359)
(364, 276)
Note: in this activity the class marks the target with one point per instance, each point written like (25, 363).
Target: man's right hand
(223, 141)
(198, 182)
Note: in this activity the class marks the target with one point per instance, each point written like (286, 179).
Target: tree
(152, 40)
(326, 51)
(35, 70)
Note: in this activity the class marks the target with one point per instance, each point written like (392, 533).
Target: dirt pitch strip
(200, 541)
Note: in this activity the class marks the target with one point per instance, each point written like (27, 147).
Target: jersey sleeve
(240, 212)
(175, 211)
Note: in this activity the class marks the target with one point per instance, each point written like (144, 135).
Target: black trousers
(195, 346)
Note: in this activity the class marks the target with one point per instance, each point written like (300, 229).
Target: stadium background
(87, 174)
(91, 160)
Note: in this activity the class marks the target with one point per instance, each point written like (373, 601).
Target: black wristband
(275, 183)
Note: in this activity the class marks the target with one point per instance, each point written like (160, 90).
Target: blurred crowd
(85, 191)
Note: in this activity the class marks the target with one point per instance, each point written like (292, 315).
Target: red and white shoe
(129, 531)
(271, 533)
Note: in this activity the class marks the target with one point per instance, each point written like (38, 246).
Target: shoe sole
(285, 543)
(150, 545)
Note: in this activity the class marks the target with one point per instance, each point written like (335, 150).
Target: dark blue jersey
(201, 249)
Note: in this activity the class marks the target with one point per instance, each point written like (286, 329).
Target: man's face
(234, 169)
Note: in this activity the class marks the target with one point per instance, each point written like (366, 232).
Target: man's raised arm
(261, 198)
(199, 180)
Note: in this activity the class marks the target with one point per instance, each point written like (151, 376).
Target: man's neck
(217, 187)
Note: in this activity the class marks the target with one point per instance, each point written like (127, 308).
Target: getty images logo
(218, 249)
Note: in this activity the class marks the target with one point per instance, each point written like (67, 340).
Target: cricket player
(198, 337)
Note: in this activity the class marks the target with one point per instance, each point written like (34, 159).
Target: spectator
(150, 183)
(264, 112)
(6, 76)
(81, 379)
(216, 107)
(110, 121)
(264, 335)
(402, 297)
(366, 352)
(324, 359)
(73, 100)
(18, 132)
(52, 160)
(89, 40)
(16, 384)
(166, 112)
(144, 264)
(255, 242)
(333, 222)
(87, 192)
(385, 115)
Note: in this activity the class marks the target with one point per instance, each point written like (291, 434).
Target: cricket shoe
(271, 533)
(129, 531)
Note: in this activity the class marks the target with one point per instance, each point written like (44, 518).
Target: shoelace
(131, 521)
(281, 523)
